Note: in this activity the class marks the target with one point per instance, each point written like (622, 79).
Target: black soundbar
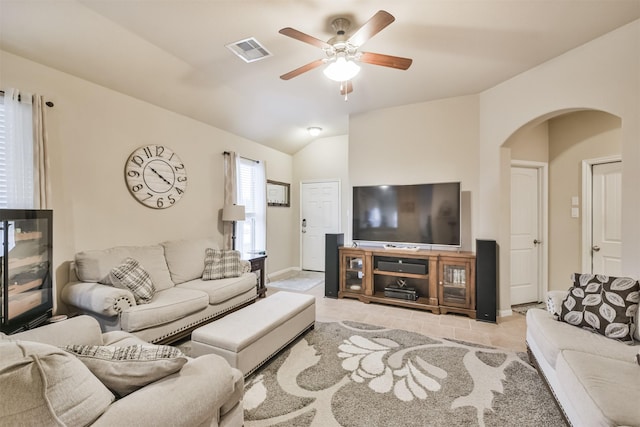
(402, 267)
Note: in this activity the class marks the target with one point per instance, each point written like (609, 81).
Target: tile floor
(508, 332)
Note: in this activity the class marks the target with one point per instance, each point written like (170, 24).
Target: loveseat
(182, 300)
(43, 384)
(594, 378)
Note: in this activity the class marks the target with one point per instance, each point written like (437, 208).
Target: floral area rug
(352, 374)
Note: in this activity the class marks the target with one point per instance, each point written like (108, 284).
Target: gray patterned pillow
(604, 304)
(130, 275)
(231, 263)
(212, 264)
(126, 369)
(221, 264)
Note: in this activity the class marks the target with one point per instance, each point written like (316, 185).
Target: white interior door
(606, 216)
(525, 235)
(320, 215)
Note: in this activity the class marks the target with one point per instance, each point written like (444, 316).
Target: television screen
(426, 214)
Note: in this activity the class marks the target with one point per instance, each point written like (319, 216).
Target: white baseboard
(505, 313)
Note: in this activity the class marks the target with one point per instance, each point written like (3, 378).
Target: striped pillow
(130, 275)
(212, 265)
(126, 369)
(231, 266)
(221, 264)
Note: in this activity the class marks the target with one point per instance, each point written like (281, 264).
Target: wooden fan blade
(372, 27)
(385, 60)
(346, 87)
(308, 67)
(298, 35)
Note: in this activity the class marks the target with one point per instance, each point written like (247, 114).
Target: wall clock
(155, 176)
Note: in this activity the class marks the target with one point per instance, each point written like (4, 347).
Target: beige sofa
(182, 302)
(45, 385)
(595, 379)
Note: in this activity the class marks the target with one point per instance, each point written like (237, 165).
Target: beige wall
(573, 138)
(322, 159)
(530, 143)
(92, 131)
(419, 143)
(603, 74)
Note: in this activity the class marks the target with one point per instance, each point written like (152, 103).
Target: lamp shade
(341, 70)
(233, 213)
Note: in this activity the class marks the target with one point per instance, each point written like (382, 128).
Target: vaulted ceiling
(172, 53)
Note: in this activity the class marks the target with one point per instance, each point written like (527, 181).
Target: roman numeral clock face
(156, 176)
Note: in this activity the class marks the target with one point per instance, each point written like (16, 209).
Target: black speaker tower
(486, 280)
(332, 243)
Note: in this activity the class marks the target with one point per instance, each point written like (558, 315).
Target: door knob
(536, 241)
(595, 248)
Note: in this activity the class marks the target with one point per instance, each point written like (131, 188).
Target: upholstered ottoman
(249, 337)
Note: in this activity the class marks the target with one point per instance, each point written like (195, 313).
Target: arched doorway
(560, 142)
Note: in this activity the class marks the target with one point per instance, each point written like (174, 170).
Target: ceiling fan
(342, 52)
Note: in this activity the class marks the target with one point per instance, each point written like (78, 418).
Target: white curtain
(261, 206)
(27, 164)
(230, 192)
(42, 182)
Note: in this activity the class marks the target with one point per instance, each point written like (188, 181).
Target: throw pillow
(41, 385)
(213, 268)
(603, 304)
(126, 369)
(231, 265)
(131, 275)
(221, 264)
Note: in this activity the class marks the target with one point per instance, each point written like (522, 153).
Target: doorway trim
(543, 214)
(587, 205)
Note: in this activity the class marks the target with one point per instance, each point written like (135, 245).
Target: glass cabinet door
(354, 273)
(454, 284)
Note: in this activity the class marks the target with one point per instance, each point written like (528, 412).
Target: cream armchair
(206, 391)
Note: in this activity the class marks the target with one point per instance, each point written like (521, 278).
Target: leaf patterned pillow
(604, 304)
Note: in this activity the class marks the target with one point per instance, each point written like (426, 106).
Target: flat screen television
(420, 214)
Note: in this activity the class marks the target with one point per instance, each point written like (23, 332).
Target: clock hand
(161, 177)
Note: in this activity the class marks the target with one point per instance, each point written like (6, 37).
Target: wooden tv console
(444, 281)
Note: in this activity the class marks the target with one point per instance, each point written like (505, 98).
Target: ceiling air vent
(249, 50)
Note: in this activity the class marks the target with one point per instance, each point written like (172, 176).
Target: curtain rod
(48, 103)
(226, 153)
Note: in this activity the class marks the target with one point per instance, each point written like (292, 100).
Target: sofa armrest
(98, 298)
(80, 330)
(191, 397)
(554, 301)
(246, 266)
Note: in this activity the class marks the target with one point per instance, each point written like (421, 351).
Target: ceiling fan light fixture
(314, 130)
(341, 70)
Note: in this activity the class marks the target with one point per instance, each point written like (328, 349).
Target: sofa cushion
(131, 275)
(166, 306)
(552, 337)
(185, 258)
(213, 267)
(603, 304)
(222, 290)
(95, 265)
(125, 369)
(44, 385)
(603, 390)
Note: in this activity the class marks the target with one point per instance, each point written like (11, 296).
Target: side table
(257, 264)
